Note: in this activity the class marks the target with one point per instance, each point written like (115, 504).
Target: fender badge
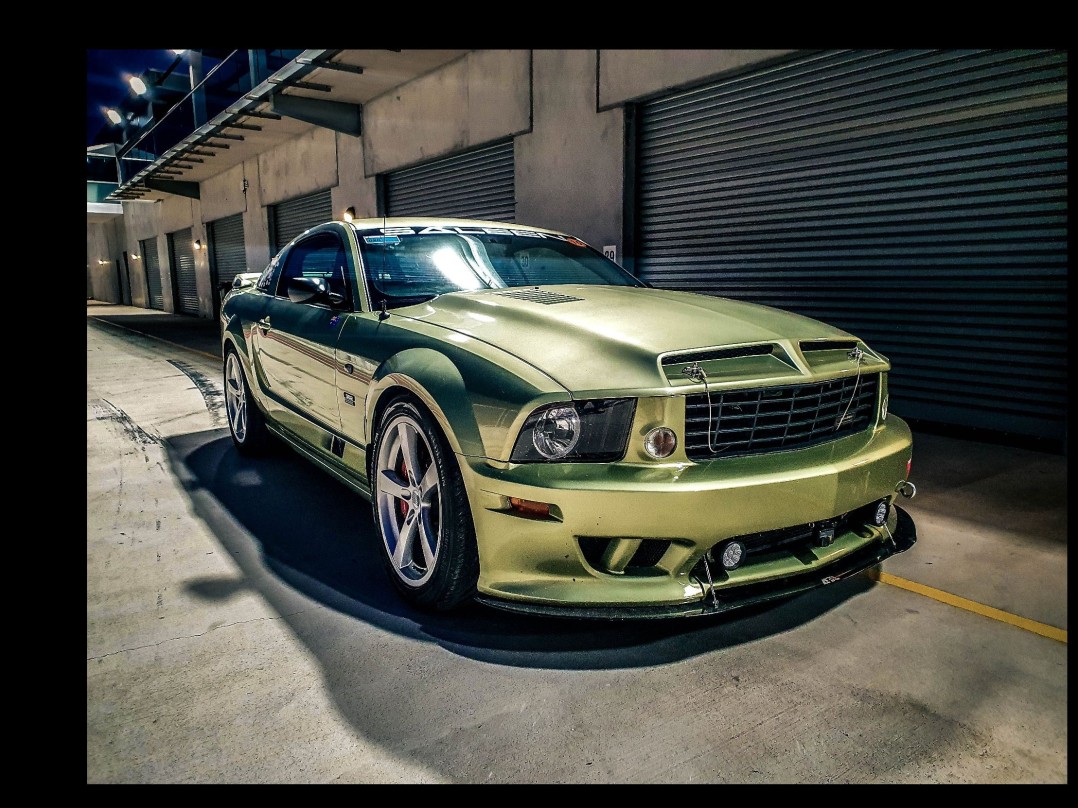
(830, 579)
(336, 318)
(350, 399)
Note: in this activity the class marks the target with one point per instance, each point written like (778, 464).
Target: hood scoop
(710, 354)
(539, 296)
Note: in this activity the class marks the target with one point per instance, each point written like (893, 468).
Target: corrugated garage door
(182, 254)
(289, 219)
(227, 250)
(475, 185)
(153, 273)
(917, 199)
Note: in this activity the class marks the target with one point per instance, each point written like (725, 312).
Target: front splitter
(728, 599)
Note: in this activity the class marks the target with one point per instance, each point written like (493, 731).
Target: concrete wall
(482, 97)
(106, 241)
(629, 75)
(563, 107)
(303, 165)
(569, 168)
(354, 189)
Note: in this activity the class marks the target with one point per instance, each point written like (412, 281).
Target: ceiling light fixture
(198, 244)
(114, 116)
(349, 214)
(138, 85)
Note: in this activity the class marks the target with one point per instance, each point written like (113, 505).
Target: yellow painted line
(151, 336)
(1058, 634)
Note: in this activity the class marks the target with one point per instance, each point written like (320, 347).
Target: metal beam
(213, 145)
(269, 116)
(333, 66)
(176, 187)
(227, 136)
(249, 126)
(200, 154)
(302, 85)
(334, 115)
(166, 171)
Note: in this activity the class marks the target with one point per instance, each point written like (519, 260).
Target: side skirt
(327, 463)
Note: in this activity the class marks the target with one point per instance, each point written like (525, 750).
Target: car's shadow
(290, 526)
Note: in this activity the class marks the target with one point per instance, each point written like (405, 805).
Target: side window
(320, 256)
(265, 280)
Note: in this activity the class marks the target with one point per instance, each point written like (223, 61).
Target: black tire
(438, 578)
(246, 422)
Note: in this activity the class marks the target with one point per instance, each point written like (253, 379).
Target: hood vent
(828, 345)
(539, 296)
(717, 353)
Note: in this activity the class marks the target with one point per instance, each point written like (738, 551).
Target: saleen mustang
(540, 431)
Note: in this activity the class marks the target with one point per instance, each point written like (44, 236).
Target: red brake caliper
(402, 472)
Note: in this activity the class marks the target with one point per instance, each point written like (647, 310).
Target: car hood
(610, 337)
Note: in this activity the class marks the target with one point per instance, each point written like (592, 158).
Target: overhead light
(179, 52)
(349, 214)
(114, 116)
(136, 257)
(138, 85)
(198, 244)
(102, 262)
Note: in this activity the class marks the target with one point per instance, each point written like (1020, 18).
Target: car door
(295, 342)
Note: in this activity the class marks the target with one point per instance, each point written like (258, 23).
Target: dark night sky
(105, 84)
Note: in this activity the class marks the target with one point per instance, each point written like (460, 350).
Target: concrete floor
(239, 629)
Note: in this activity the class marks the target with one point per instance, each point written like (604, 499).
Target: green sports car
(540, 431)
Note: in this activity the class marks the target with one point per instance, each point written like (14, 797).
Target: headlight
(596, 430)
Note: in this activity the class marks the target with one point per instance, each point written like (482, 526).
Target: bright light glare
(113, 116)
(456, 271)
(179, 52)
(137, 84)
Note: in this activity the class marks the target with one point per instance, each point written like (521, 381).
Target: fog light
(660, 442)
(732, 553)
(881, 512)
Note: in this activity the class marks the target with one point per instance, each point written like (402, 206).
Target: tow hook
(906, 489)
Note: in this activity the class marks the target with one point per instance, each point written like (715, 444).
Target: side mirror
(308, 290)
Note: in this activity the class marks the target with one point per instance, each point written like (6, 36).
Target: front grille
(770, 419)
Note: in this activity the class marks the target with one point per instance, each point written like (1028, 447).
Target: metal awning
(251, 126)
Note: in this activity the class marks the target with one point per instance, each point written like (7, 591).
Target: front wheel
(246, 423)
(421, 510)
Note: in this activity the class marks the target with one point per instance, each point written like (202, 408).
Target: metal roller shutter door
(915, 198)
(182, 253)
(289, 219)
(153, 273)
(227, 248)
(476, 185)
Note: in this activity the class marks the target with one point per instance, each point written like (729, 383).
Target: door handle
(264, 324)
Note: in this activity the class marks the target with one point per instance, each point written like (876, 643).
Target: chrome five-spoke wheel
(246, 423)
(421, 509)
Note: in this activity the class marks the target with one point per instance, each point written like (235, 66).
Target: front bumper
(682, 510)
(715, 600)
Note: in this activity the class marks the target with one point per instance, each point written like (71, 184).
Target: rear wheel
(246, 423)
(421, 510)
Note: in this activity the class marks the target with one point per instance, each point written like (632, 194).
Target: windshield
(406, 265)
